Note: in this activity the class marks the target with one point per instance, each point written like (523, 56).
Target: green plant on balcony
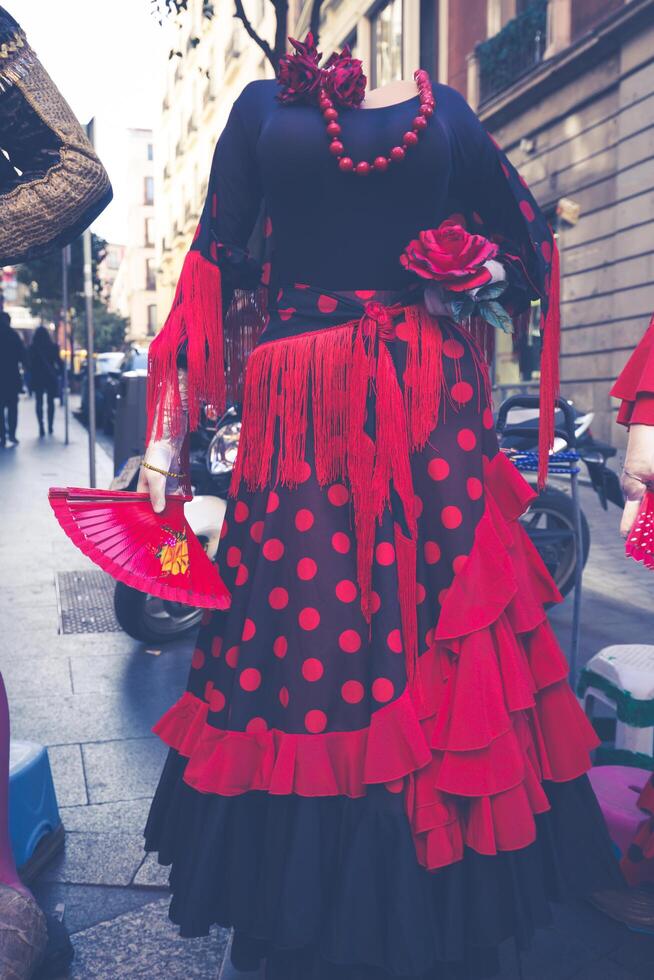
(513, 51)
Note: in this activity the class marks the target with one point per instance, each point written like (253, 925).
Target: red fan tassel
(549, 370)
(195, 320)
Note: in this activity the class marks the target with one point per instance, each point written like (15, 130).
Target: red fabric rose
(343, 79)
(298, 74)
(450, 256)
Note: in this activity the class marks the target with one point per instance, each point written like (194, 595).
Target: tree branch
(239, 13)
(314, 22)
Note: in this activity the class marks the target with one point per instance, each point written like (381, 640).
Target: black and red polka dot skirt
(377, 768)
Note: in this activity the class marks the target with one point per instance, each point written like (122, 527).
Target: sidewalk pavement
(92, 698)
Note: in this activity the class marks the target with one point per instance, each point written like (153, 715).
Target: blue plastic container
(33, 810)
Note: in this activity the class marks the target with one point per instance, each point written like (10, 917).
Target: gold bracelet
(632, 476)
(175, 476)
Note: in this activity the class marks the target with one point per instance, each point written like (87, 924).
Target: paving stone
(151, 874)
(134, 671)
(123, 770)
(86, 905)
(68, 774)
(97, 859)
(127, 816)
(635, 953)
(145, 944)
(27, 677)
(88, 717)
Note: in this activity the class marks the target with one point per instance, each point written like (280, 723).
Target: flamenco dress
(377, 769)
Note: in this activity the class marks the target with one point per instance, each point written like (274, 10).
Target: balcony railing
(512, 52)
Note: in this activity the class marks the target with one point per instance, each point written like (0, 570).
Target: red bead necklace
(396, 153)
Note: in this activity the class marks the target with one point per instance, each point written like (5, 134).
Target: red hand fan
(640, 543)
(155, 553)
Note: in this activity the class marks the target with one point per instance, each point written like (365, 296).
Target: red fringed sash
(195, 323)
(331, 373)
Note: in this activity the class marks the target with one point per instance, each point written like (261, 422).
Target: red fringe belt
(330, 374)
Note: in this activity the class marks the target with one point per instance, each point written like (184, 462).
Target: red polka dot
(256, 726)
(223, 530)
(309, 618)
(287, 313)
(417, 506)
(338, 495)
(232, 655)
(395, 786)
(429, 637)
(365, 293)
(402, 331)
(273, 549)
(451, 517)
(432, 552)
(394, 640)
(466, 439)
(267, 228)
(242, 575)
(462, 392)
(304, 472)
(346, 590)
(272, 503)
(241, 511)
(312, 669)
(280, 646)
(375, 602)
(527, 210)
(385, 553)
(216, 646)
(265, 273)
(327, 304)
(442, 595)
(206, 617)
(438, 468)
(233, 557)
(283, 697)
(216, 701)
(306, 569)
(352, 692)
(340, 542)
(249, 629)
(546, 249)
(208, 688)
(421, 593)
(315, 721)
(459, 563)
(382, 690)
(453, 348)
(278, 598)
(250, 679)
(256, 531)
(197, 660)
(487, 419)
(304, 519)
(349, 641)
(474, 487)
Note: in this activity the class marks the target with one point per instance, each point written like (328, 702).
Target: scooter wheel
(152, 620)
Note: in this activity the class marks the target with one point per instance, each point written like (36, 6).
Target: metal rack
(565, 463)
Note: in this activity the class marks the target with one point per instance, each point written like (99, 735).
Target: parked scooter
(550, 521)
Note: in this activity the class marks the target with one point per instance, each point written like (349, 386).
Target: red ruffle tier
(489, 717)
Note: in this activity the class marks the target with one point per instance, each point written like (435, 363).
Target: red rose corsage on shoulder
(301, 77)
(454, 259)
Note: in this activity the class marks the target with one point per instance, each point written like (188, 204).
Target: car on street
(105, 364)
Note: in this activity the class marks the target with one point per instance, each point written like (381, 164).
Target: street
(92, 698)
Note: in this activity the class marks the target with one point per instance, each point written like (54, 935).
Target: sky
(106, 57)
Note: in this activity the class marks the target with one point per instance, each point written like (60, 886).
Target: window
(386, 36)
(150, 151)
(150, 275)
(152, 319)
(148, 190)
(149, 231)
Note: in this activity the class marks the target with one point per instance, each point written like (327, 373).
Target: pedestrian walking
(12, 357)
(378, 768)
(45, 375)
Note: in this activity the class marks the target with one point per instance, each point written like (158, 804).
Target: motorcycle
(550, 520)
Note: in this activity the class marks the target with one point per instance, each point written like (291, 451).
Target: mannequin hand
(161, 454)
(638, 472)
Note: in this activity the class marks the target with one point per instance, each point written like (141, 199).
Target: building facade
(133, 284)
